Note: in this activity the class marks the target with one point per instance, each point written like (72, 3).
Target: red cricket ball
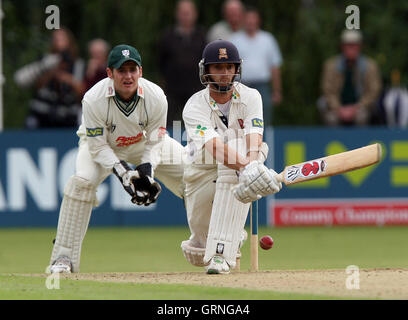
(266, 242)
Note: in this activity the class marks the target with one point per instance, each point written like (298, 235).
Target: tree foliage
(307, 31)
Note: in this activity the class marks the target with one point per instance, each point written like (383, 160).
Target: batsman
(123, 121)
(224, 167)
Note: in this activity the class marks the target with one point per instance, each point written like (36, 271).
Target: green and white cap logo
(122, 53)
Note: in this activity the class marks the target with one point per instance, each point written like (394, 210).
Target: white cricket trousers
(200, 183)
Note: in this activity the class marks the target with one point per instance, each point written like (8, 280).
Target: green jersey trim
(126, 107)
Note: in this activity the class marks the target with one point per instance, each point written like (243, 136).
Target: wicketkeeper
(224, 124)
(124, 120)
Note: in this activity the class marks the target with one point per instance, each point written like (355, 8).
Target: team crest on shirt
(241, 123)
(222, 53)
(126, 53)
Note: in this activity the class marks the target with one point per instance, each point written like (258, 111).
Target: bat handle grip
(279, 177)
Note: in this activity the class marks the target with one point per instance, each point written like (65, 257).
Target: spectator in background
(180, 51)
(98, 50)
(394, 104)
(351, 84)
(233, 13)
(57, 79)
(261, 61)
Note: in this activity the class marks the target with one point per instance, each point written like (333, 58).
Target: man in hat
(124, 120)
(350, 83)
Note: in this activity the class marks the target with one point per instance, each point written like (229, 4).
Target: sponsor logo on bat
(306, 170)
(292, 173)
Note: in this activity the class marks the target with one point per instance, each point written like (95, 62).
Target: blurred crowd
(352, 92)
(59, 80)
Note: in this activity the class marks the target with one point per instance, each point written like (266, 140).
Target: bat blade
(331, 165)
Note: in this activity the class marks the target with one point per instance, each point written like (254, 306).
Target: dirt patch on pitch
(373, 283)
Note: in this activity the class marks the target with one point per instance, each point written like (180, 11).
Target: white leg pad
(193, 254)
(75, 212)
(228, 218)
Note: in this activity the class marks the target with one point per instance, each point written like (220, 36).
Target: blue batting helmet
(219, 51)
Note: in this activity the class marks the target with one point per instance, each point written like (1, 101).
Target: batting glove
(256, 181)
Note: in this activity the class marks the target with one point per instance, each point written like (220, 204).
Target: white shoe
(218, 265)
(61, 265)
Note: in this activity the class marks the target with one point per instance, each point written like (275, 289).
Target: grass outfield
(22, 288)
(27, 251)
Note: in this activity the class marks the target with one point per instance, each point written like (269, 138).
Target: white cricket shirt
(204, 121)
(115, 133)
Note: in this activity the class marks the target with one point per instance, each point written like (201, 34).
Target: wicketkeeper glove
(147, 184)
(128, 178)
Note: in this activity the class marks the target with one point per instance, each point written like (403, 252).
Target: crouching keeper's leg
(79, 199)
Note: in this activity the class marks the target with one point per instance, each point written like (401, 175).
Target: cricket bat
(315, 169)
(331, 165)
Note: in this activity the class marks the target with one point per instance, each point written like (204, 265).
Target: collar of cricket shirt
(214, 105)
(110, 89)
(126, 107)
